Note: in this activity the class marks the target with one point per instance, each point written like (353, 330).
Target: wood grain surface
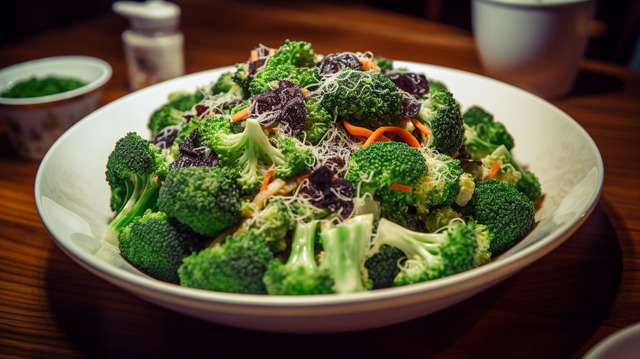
(559, 307)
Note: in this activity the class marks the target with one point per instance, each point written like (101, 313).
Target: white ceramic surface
(34, 123)
(623, 344)
(535, 44)
(73, 201)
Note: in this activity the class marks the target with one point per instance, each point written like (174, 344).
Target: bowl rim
(488, 274)
(93, 86)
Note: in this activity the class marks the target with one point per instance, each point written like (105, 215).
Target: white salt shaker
(153, 45)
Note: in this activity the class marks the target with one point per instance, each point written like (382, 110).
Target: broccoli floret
(440, 185)
(508, 214)
(273, 222)
(384, 266)
(298, 157)
(172, 113)
(440, 218)
(164, 117)
(223, 84)
(487, 129)
(364, 98)
(207, 199)
(293, 61)
(318, 121)
(510, 172)
(242, 78)
(135, 170)
(383, 63)
(157, 244)
(252, 153)
(382, 164)
(300, 274)
(441, 113)
(235, 266)
(430, 255)
(344, 247)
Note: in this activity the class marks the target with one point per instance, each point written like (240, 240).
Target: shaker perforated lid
(151, 15)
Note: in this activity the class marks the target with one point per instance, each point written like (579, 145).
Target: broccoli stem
(345, 246)
(144, 197)
(302, 249)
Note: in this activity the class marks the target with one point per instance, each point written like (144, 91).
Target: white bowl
(73, 201)
(34, 123)
(623, 344)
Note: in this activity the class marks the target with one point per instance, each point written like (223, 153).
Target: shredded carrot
(241, 114)
(267, 178)
(401, 187)
(404, 134)
(455, 155)
(272, 129)
(254, 55)
(368, 65)
(361, 132)
(421, 127)
(304, 92)
(495, 167)
(302, 177)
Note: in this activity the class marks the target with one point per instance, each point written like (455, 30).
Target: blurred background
(615, 31)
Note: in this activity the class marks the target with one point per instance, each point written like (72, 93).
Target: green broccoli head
(439, 218)
(297, 157)
(242, 78)
(510, 172)
(384, 265)
(300, 274)
(293, 61)
(430, 255)
(172, 113)
(135, 169)
(206, 199)
(318, 121)
(273, 221)
(365, 98)
(382, 164)
(164, 117)
(442, 115)
(223, 84)
(383, 63)
(157, 244)
(508, 214)
(253, 153)
(440, 185)
(487, 129)
(235, 266)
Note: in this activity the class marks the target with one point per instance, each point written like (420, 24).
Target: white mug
(534, 44)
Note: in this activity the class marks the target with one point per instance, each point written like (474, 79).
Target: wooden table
(559, 307)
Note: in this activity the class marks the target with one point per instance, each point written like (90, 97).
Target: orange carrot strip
(368, 65)
(404, 134)
(360, 132)
(495, 167)
(421, 127)
(254, 55)
(304, 92)
(272, 129)
(401, 187)
(302, 177)
(267, 178)
(241, 114)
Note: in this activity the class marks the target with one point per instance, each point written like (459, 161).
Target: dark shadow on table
(99, 329)
(592, 83)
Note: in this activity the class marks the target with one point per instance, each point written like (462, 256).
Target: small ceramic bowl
(33, 124)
